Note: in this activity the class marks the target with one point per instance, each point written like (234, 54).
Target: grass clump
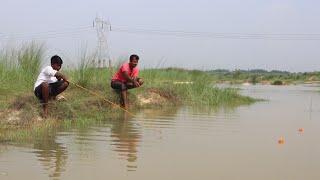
(277, 82)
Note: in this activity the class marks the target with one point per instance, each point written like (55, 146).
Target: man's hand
(60, 76)
(66, 80)
(136, 83)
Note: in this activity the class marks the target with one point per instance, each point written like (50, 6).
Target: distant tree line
(261, 75)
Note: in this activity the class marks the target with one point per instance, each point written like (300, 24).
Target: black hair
(56, 60)
(134, 56)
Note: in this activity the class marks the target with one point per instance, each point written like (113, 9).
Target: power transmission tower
(103, 28)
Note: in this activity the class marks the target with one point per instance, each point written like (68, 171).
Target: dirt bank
(26, 109)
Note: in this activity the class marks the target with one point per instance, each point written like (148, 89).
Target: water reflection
(125, 138)
(168, 112)
(126, 131)
(157, 119)
(51, 155)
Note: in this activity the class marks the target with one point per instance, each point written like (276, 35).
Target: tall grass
(29, 61)
(19, 67)
(85, 72)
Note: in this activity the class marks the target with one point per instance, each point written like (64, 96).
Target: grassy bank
(20, 110)
(273, 77)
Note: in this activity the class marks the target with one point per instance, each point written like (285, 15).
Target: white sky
(22, 21)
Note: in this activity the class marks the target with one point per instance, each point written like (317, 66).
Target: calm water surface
(185, 143)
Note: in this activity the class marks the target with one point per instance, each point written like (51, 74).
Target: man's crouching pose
(50, 83)
(127, 78)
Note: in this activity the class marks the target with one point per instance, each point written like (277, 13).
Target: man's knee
(44, 85)
(123, 87)
(65, 84)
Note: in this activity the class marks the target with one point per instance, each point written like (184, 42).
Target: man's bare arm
(129, 79)
(59, 76)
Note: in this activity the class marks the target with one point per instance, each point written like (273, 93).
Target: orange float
(281, 140)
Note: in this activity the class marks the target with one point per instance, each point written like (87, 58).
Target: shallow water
(185, 143)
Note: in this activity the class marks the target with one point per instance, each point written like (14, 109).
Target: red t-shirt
(125, 68)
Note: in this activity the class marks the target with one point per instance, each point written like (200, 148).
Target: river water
(185, 143)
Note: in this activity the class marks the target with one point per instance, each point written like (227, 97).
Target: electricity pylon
(103, 52)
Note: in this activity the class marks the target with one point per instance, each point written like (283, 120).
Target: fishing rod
(102, 97)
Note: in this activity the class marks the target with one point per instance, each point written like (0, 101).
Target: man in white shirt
(50, 83)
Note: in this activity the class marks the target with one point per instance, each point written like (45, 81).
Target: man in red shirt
(127, 78)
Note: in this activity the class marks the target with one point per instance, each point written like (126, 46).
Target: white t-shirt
(46, 75)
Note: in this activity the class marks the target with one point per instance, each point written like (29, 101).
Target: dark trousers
(53, 89)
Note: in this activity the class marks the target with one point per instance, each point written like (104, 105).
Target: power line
(180, 31)
(46, 34)
(103, 28)
(258, 36)
(50, 31)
